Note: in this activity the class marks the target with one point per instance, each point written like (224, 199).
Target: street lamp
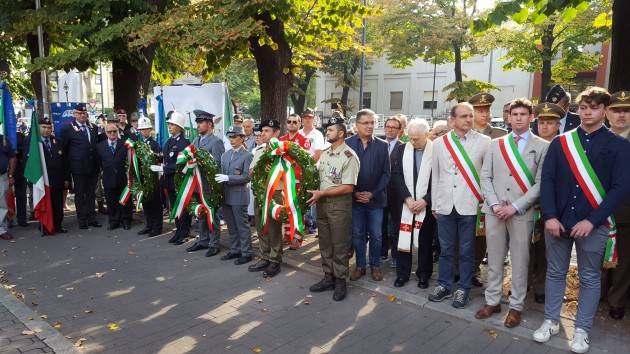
(65, 88)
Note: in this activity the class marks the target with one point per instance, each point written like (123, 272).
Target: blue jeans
(590, 253)
(367, 220)
(454, 228)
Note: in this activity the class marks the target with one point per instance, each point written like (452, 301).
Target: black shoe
(259, 266)
(126, 227)
(340, 289)
(23, 223)
(243, 260)
(476, 282)
(113, 227)
(539, 298)
(95, 223)
(272, 270)
(83, 226)
(196, 247)
(440, 294)
(460, 298)
(61, 230)
(144, 231)
(617, 313)
(212, 251)
(178, 242)
(230, 255)
(173, 238)
(153, 234)
(456, 278)
(423, 283)
(328, 283)
(400, 282)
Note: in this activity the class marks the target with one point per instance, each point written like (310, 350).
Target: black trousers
(153, 212)
(20, 199)
(84, 197)
(117, 213)
(183, 222)
(425, 252)
(56, 199)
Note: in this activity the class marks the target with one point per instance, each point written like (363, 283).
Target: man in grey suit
(235, 176)
(206, 140)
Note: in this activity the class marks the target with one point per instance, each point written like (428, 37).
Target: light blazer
(448, 187)
(235, 164)
(498, 185)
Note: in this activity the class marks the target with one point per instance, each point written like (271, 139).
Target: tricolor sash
(591, 185)
(514, 161)
(467, 169)
(410, 224)
(134, 166)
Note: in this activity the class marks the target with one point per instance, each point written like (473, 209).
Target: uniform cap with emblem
(481, 100)
(308, 112)
(203, 116)
(80, 108)
(336, 118)
(112, 119)
(546, 111)
(234, 131)
(178, 119)
(271, 123)
(620, 99)
(45, 121)
(556, 94)
(144, 123)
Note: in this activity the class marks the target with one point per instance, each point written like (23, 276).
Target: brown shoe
(357, 273)
(377, 275)
(513, 319)
(7, 236)
(486, 311)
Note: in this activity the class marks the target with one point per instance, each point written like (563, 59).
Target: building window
(395, 100)
(367, 99)
(429, 100)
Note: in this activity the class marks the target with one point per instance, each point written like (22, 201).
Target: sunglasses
(292, 122)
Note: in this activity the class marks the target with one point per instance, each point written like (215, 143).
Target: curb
(51, 337)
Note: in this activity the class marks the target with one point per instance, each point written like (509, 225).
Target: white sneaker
(580, 342)
(547, 329)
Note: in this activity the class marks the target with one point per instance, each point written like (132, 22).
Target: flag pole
(40, 44)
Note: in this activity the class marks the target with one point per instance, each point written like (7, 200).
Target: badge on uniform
(171, 154)
(60, 152)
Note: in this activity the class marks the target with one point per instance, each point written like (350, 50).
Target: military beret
(620, 99)
(335, 119)
(555, 94)
(481, 100)
(45, 120)
(549, 111)
(308, 112)
(271, 123)
(201, 116)
(233, 131)
(80, 108)
(337, 114)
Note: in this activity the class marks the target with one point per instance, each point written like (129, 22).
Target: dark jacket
(80, 153)
(392, 196)
(374, 172)
(155, 147)
(114, 166)
(55, 161)
(172, 148)
(398, 179)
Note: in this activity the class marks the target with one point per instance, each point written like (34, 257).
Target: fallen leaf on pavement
(373, 295)
(69, 289)
(113, 327)
(391, 298)
(43, 317)
(131, 253)
(27, 333)
(259, 301)
(56, 325)
(492, 333)
(34, 303)
(306, 302)
(99, 275)
(31, 289)
(88, 311)
(79, 342)
(257, 349)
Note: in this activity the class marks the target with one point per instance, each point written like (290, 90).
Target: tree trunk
(36, 81)
(274, 73)
(546, 56)
(128, 79)
(620, 50)
(298, 99)
(457, 50)
(344, 100)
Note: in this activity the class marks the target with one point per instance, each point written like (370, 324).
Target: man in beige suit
(510, 183)
(456, 195)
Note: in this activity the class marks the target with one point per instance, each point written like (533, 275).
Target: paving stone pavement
(123, 293)
(13, 338)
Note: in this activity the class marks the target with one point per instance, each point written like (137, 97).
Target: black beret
(271, 123)
(335, 119)
(45, 120)
(555, 94)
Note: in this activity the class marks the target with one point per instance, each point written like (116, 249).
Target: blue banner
(61, 114)
(9, 121)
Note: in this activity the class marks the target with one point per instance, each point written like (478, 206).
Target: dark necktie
(112, 146)
(86, 131)
(47, 143)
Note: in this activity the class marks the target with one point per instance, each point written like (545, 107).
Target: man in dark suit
(390, 224)
(416, 201)
(562, 98)
(20, 185)
(79, 140)
(112, 158)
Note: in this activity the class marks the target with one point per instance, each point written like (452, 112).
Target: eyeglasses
(111, 131)
(391, 127)
(292, 122)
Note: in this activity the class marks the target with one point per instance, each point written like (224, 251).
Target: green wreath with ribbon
(198, 193)
(141, 181)
(288, 164)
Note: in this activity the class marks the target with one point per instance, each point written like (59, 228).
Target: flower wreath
(141, 181)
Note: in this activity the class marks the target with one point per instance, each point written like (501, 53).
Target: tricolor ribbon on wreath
(283, 170)
(134, 166)
(591, 186)
(191, 183)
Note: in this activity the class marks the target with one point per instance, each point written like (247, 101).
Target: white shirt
(522, 142)
(316, 138)
(563, 122)
(391, 145)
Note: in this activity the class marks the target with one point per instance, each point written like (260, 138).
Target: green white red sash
(192, 182)
(283, 170)
(134, 166)
(464, 164)
(515, 163)
(591, 185)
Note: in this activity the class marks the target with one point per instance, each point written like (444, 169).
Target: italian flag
(36, 173)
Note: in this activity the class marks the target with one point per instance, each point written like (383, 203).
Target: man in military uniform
(206, 140)
(173, 146)
(270, 242)
(557, 95)
(151, 204)
(481, 103)
(619, 293)
(338, 171)
(79, 140)
(235, 177)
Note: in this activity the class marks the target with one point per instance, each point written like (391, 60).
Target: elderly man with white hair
(411, 176)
